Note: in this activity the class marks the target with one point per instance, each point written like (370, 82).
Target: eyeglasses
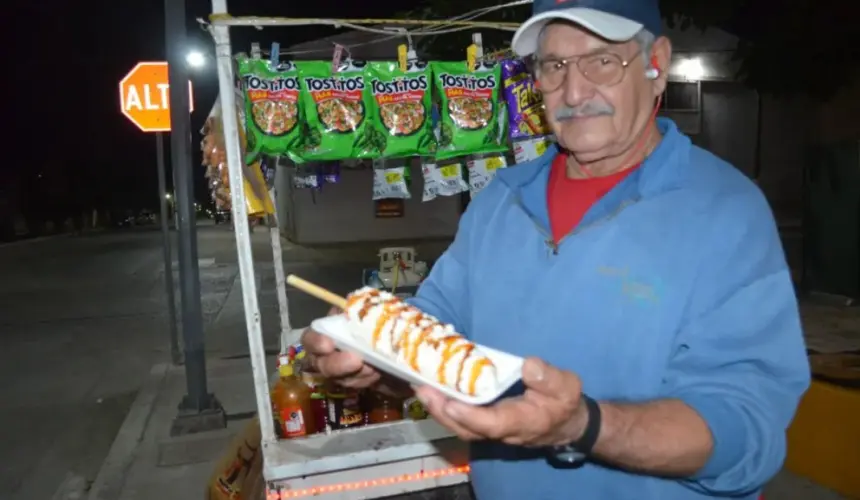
(603, 68)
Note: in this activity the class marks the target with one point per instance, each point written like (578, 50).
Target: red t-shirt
(569, 199)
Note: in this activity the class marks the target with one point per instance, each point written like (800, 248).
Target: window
(681, 96)
(682, 102)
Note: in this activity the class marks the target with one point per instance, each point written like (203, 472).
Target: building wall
(787, 133)
(344, 212)
(730, 124)
(837, 119)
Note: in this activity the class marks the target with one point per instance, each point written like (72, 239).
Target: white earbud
(652, 73)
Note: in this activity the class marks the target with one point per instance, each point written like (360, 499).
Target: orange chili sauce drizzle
(477, 368)
(450, 350)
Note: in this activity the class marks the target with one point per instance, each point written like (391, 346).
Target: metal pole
(168, 260)
(253, 325)
(198, 410)
(280, 280)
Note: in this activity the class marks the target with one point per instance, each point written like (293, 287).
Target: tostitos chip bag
(339, 121)
(404, 105)
(272, 107)
(472, 118)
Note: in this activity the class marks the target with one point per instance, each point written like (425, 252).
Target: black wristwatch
(577, 452)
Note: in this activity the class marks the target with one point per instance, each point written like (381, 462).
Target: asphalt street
(81, 324)
(83, 320)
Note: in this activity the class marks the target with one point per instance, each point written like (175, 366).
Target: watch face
(568, 454)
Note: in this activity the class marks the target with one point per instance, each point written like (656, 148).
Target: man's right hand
(344, 368)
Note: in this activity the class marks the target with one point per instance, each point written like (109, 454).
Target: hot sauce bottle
(295, 413)
(317, 384)
(344, 408)
(275, 394)
(382, 408)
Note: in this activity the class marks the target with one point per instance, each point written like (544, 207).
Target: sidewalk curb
(28, 241)
(111, 477)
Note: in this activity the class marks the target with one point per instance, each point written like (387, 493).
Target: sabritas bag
(472, 119)
(403, 106)
(272, 108)
(337, 110)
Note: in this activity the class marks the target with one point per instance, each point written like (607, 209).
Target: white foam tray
(339, 328)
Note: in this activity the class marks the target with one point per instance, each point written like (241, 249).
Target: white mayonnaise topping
(428, 344)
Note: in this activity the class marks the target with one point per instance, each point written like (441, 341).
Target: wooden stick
(317, 291)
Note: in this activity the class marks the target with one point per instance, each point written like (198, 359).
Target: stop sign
(144, 96)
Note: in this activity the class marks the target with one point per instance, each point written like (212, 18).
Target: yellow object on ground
(824, 438)
(238, 475)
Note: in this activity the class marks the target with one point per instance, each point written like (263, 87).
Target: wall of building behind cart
(345, 212)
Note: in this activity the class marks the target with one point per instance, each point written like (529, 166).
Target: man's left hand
(549, 413)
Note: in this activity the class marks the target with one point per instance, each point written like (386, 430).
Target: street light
(168, 196)
(195, 59)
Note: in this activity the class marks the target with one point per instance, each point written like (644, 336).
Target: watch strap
(585, 443)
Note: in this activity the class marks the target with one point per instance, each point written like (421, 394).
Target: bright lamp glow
(195, 59)
(691, 69)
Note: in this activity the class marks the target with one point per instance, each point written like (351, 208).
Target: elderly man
(642, 277)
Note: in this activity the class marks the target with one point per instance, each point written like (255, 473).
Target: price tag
(494, 163)
(393, 177)
(449, 171)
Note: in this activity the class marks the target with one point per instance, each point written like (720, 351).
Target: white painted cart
(370, 462)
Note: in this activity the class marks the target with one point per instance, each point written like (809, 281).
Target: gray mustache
(589, 109)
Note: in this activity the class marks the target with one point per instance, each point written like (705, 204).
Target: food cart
(376, 461)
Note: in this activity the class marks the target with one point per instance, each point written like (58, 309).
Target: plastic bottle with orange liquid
(293, 403)
(283, 359)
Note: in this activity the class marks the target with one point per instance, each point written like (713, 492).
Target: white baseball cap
(614, 20)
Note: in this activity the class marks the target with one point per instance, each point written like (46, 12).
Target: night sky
(72, 133)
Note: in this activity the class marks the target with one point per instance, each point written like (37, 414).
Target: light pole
(164, 204)
(199, 410)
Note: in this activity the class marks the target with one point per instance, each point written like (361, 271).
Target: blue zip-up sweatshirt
(674, 285)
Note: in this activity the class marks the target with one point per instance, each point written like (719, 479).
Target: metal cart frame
(396, 458)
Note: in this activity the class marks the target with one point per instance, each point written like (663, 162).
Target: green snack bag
(337, 107)
(469, 109)
(272, 108)
(403, 105)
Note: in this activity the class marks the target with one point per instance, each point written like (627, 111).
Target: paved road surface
(80, 325)
(82, 321)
